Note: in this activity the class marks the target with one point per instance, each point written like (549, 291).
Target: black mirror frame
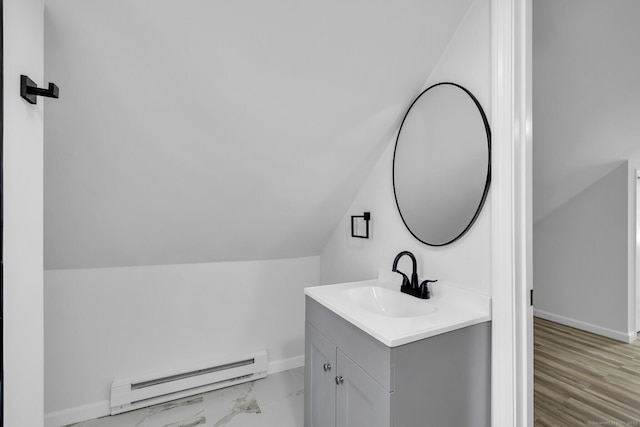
(487, 182)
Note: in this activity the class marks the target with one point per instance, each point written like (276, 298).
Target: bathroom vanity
(377, 360)
(397, 352)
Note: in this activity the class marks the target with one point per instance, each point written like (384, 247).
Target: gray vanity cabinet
(360, 400)
(342, 393)
(353, 380)
(320, 367)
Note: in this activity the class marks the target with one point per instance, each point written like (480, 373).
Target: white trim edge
(77, 414)
(627, 337)
(102, 408)
(285, 364)
(511, 349)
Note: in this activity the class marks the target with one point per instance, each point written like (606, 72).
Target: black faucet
(411, 286)
(414, 275)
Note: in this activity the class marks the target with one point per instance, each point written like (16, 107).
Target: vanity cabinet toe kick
(354, 380)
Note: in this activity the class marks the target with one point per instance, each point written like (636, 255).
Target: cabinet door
(361, 401)
(320, 386)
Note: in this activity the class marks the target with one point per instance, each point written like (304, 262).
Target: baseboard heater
(135, 393)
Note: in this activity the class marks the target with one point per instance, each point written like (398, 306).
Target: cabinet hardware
(326, 367)
(339, 380)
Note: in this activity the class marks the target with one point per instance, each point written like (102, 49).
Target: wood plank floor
(582, 379)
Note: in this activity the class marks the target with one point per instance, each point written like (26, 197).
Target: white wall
(587, 99)
(581, 258)
(110, 323)
(22, 333)
(467, 261)
(208, 131)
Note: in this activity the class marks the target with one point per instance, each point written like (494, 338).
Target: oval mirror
(442, 164)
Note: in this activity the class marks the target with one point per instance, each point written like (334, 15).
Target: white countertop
(455, 308)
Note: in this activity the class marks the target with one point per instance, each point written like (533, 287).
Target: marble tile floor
(274, 401)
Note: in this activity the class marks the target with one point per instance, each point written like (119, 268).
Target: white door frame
(512, 346)
(635, 291)
(23, 328)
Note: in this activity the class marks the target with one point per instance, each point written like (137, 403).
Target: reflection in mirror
(442, 164)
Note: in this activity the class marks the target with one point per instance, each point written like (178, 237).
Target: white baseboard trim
(102, 409)
(627, 337)
(285, 364)
(77, 414)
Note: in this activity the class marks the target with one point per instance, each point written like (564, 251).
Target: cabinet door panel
(361, 401)
(320, 387)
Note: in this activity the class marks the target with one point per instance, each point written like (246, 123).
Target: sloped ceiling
(205, 131)
(586, 95)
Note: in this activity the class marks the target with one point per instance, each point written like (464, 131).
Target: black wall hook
(29, 90)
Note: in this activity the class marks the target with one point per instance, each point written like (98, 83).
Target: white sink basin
(393, 318)
(386, 302)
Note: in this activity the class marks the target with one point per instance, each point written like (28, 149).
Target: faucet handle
(424, 289)
(405, 279)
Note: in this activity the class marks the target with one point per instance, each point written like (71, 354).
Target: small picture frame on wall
(360, 225)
